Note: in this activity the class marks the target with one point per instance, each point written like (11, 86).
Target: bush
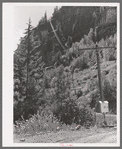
(67, 112)
(56, 95)
(80, 62)
(86, 116)
(62, 104)
(37, 123)
(110, 54)
(48, 75)
(109, 92)
(90, 56)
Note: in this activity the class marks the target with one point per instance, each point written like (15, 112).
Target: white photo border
(7, 65)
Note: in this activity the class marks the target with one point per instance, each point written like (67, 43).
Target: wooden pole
(98, 63)
(99, 75)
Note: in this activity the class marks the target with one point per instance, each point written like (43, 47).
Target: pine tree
(28, 71)
(19, 81)
(29, 47)
(21, 72)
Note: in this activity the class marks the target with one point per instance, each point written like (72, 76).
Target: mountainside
(48, 66)
(71, 24)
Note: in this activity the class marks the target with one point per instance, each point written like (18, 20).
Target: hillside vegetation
(65, 92)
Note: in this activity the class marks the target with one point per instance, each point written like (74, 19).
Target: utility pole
(98, 66)
(99, 73)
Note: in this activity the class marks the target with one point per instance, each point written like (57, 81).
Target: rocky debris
(78, 127)
(22, 139)
(58, 128)
(72, 128)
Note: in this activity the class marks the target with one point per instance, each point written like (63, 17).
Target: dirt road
(82, 136)
(109, 137)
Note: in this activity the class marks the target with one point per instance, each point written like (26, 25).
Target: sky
(22, 15)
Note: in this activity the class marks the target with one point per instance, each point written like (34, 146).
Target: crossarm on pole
(99, 48)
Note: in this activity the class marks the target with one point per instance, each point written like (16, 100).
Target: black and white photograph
(63, 71)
